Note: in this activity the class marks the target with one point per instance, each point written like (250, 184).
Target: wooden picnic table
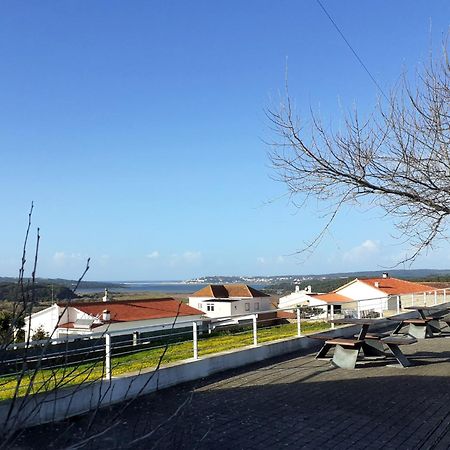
(346, 350)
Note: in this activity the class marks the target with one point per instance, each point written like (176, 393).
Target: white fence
(251, 329)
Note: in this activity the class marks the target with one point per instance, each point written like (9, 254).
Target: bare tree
(397, 160)
(35, 375)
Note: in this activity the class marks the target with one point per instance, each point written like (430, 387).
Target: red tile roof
(228, 290)
(394, 286)
(286, 315)
(129, 310)
(332, 297)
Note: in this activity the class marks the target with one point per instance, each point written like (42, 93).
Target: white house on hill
(227, 300)
(381, 293)
(84, 319)
(360, 295)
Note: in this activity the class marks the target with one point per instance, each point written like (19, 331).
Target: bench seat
(345, 342)
(323, 337)
(416, 321)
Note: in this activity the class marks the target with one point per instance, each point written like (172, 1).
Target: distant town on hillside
(422, 274)
(276, 279)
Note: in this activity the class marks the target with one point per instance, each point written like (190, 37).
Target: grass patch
(49, 379)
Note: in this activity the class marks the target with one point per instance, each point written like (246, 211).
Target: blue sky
(138, 130)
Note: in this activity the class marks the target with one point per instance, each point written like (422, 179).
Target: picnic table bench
(346, 350)
(426, 325)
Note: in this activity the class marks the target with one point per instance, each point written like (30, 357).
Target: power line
(352, 49)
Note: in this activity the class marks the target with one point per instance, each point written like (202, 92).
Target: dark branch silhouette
(397, 159)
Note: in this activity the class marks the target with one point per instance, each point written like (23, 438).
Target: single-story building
(382, 294)
(361, 297)
(90, 319)
(296, 298)
(318, 301)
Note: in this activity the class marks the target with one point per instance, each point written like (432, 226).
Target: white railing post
(107, 356)
(381, 307)
(135, 338)
(299, 326)
(445, 295)
(435, 297)
(425, 299)
(332, 317)
(358, 311)
(194, 340)
(255, 330)
(398, 304)
(412, 299)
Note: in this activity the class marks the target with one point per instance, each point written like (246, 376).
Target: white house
(296, 298)
(304, 297)
(374, 294)
(78, 319)
(381, 294)
(228, 300)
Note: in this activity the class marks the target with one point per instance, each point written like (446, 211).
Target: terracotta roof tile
(129, 310)
(395, 286)
(332, 297)
(228, 290)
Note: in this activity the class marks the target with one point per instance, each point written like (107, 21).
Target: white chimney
(106, 316)
(385, 275)
(297, 288)
(105, 297)
(308, 289)
(376, 284)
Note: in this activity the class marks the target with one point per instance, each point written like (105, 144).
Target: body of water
(152, 286)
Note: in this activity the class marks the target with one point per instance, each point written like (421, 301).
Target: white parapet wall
(63, 403)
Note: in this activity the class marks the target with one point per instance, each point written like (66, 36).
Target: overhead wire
(352, 49)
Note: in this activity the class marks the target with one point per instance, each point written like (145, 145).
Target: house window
(247, 306)
(210, 307)
(256, 306)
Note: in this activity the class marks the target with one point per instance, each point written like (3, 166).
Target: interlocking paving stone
(293, 402)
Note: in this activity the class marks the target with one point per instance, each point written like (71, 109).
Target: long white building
(83, 319)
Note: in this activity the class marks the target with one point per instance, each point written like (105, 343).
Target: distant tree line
(42, 292)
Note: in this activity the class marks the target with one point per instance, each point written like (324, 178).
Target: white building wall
(45, 319)
(221, 308)
(228, 308)
(48, 319)
(358, 290)
(294, 299)
(148, 325)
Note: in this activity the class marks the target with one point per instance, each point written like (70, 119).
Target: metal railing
(152, 346)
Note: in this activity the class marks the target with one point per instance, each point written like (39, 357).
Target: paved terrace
(294, 401)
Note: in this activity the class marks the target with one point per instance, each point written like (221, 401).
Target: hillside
(69, 283)
(42, 292)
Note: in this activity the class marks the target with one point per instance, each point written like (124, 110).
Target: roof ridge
(109, 302)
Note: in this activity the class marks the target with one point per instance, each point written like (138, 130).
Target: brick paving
(295, 401)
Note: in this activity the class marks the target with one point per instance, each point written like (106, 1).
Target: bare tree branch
(397, 160)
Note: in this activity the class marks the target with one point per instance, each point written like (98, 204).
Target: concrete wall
(63, 403)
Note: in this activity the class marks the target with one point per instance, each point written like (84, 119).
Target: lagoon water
(175, 287)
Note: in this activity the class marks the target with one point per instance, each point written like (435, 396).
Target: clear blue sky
(137, 128)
